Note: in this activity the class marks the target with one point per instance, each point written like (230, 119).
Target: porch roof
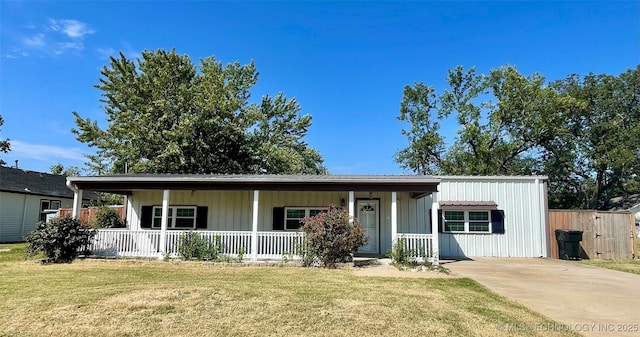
(126, 183)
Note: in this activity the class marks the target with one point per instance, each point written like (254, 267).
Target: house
(630, 203)
(260, 214)
(27, 197)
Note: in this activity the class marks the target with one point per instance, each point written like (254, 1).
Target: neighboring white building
(260, 214)
(27, 197)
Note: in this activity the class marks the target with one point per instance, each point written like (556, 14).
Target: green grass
(629, 266)
(156, 298)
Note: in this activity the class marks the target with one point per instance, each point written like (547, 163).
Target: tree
(70, 171)
(581, 132)
(168, 116)
(277, 135)
(504, 118)
(5, 146)
(597, 155)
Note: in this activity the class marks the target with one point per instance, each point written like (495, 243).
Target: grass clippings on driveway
(155, 298)
(629, 266)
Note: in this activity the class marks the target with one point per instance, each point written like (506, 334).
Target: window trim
(307, 212)
(173, 210)
(467, 221)
(42, 215)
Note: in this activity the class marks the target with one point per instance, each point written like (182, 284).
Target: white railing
(231, 243)
(146, 243)
(124, 242)
(420, 246)
(275, 245)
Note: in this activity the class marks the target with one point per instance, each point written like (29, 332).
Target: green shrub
(193, 246)
(59, 239)
(107, 217)
(400, 255)
(332, 237)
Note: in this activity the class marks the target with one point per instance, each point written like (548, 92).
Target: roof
(38, 183)
(126, 183)
(456, 204)
(622, 203)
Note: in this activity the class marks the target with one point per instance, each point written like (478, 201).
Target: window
(293, 215)
(180, 217)
(467, 221)
(46, 204)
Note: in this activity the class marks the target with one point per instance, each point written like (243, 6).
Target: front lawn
(156, 298)
(629, 266)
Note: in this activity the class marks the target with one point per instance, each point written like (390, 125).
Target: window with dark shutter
(278, 218)
(146, 216)
(201, 217)
(497, 221)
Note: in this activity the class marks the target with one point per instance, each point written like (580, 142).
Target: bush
(402, 256)
(193, 246)
(332, 237)
(107, 217)
(59, 239)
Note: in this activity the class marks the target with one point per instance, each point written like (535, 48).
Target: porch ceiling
(125, 184)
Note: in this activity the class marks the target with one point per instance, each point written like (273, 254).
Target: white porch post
(77, 203)
(394, 217)
(434, 227)
(164, 223)
(254, 224)
(352, 212)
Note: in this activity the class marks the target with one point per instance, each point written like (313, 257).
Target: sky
(345, 62)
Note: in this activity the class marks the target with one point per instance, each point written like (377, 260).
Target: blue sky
(345, 62)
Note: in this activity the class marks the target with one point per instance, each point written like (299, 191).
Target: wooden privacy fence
(606, 235)
(88, 214)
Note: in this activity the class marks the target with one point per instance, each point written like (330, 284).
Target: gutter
(71, 186)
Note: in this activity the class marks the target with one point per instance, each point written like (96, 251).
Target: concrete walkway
(593, 301)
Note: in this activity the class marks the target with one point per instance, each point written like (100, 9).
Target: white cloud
(35, 41)
(74, 29)
(45, 152)
(57, 37)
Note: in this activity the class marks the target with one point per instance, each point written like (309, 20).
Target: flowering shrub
(332, 237)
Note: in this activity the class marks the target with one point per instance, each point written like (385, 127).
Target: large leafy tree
(504, 121)
(5, 146)
(581, 132)
(166, 115)
(597, 155)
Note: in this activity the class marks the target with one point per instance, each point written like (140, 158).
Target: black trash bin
(568, 243)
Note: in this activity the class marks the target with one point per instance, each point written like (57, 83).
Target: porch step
(366, 261)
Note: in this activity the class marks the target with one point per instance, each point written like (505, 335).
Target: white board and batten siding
(524, 202)
(232, 210)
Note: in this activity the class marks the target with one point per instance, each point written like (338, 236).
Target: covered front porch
(258, 217)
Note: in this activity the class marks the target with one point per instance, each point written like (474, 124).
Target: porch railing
(275, 245)
(146, 243)
(420, 246)
(271, 245)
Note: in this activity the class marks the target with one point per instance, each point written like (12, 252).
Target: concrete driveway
(593, 301)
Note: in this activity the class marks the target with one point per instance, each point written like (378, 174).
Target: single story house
(629, 203)
(259, 215)
(27, 197)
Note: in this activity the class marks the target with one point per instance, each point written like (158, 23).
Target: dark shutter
(146, 216)
(201, 217)
(278, 218)
(497, 221)
(439, 221)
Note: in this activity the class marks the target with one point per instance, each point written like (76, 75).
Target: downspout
(72, 186)
(24, 214)
(77, 199)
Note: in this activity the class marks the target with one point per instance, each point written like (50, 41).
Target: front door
(367, 212)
